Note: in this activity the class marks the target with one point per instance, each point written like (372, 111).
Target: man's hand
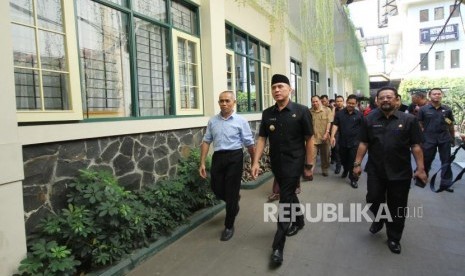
(202, 171)
(421, 175)
(333, 142)
(255, 170)
(308, 174)
(357, 171)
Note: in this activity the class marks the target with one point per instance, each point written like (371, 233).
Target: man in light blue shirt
(229, 132)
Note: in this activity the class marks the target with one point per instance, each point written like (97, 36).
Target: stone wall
(136, 160)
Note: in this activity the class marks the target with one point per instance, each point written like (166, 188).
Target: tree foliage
(454, 94)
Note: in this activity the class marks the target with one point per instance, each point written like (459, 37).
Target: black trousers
(287, 186)
(347, 159)
(429, 152)
(395, 194)
(335, 156)
(226, 175)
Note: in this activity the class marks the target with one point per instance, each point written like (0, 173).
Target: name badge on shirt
(448, 121)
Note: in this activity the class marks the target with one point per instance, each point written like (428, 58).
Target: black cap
(277, 78)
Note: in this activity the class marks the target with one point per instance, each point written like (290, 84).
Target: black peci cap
(277, 78)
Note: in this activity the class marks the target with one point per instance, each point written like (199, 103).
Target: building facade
(430, 39)
(128, 87)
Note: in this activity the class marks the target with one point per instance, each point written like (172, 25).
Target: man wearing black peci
(288, 127)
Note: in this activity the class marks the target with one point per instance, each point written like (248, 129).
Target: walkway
(433, 244)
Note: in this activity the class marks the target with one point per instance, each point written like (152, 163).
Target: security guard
(437, 122)
(288, 126)
(389, 136)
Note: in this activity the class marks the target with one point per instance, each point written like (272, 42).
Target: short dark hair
(316, 96)
(420, 94)
(323, 97)
(388, 88)
(339, 96)
(352, 96)
(436, 88)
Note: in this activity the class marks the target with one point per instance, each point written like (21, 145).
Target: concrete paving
(433, 242)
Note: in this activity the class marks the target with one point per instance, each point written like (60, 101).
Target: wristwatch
(357, 164)
(308, 166)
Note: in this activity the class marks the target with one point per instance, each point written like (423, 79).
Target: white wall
(412, 47)
(12, 232)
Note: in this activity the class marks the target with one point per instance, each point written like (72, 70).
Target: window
(438, 13)
(230, 73)
(314, 82)
(424, 62)
(105, 75)
(187, 69)
(124, 77)
(455, 59)
(296, 80)
(124, 59)
(439, 63)
(454, 10)
(44, 54)
(424, 16)
(250, 55)
(266, 84)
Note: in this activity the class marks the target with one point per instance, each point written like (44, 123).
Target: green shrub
(103, 222)
(48, 258)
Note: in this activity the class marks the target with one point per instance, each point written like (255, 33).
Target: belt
(226, 151)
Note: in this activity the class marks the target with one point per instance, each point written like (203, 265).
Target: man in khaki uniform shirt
(322, 117)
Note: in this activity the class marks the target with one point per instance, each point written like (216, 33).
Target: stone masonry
(136, 160)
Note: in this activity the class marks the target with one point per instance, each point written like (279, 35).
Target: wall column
(12, 231)
(213, 53)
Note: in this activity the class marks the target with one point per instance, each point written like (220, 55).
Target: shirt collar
(380, 114)
(290, 106)
(229, 118)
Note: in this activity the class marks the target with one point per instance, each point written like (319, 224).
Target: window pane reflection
(104, 52)
(52, 51)
(21, 11)
(49, 15)
(152, 69)
(152, 8)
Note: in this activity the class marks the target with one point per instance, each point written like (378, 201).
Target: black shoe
(354, 184)
(344, 174)
(338, 169)
(394, 246)
(325, 174)
(450, 190)
(227, 234)
(376, 226)
(277, 257)
(294, 229)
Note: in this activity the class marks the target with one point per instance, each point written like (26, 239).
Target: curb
(255, 183)
(142, 254)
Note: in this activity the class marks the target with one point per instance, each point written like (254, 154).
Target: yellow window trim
(75, 112)
(187, 111)
(230, 55)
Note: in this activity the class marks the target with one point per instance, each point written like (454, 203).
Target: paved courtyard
(433, 242)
